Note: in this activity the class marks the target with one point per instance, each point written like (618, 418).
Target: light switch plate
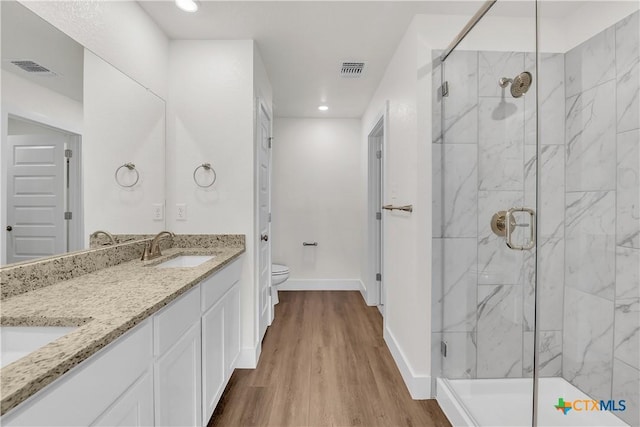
(181, 211)
(158, 211)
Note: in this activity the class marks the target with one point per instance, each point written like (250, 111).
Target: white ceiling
(26, 36)
(303, 43)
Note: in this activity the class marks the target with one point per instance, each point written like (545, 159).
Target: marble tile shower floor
(508, 402)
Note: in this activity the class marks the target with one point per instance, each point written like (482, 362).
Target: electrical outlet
(181, 211)
(158, 211)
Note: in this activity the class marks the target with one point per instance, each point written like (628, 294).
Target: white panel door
(35, 197)
(177, 382)
(264, 224)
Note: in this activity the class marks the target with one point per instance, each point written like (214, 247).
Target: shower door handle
(509, 230)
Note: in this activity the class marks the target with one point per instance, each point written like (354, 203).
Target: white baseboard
(419, 385)
(249, 357)
(363, 292)
(320, 285)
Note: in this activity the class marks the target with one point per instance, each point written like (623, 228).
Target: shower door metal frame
(486, 6)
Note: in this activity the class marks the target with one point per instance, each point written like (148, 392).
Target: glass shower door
(485, 163)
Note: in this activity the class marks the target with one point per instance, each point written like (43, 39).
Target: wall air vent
(32, 67)
(352, 69)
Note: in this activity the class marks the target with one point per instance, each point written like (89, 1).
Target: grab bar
(406, 208)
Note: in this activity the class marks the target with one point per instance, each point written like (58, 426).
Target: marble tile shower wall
(484, 160)
(602, 288)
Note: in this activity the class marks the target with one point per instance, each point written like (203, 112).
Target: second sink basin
(183, 261)
(18, 341)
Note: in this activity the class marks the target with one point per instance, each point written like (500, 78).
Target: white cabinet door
(231, 329)
(134, 408)
(213, 364)
(177, 382)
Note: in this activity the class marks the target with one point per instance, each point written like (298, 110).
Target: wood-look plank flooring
(324, 363)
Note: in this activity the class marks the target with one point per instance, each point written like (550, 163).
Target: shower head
(520, 84)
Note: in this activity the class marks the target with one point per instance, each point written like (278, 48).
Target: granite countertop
(104, 304)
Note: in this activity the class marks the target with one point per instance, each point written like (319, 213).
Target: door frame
(75, 230)
(376, 291)
(260, 107)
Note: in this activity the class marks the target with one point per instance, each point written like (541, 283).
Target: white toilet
(279, 274)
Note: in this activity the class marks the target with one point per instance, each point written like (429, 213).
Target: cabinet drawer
(214, 287)
(173, 321)
(81, 395)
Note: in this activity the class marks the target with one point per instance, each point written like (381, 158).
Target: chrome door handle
(508, 219)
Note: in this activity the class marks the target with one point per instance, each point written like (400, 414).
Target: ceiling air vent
(33, 68)
(352, 69)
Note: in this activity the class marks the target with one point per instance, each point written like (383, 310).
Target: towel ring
(131, 167)
(207, 167)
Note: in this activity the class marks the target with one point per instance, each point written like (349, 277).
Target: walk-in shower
(536, 229)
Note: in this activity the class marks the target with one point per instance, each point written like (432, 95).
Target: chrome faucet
(152, 249)
(106, 233)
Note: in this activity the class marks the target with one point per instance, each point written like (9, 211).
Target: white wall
(118, 31)
(26, 99)
(210, 118)
(261, 83)
(124, 123)
(406, 253)
(317, 197)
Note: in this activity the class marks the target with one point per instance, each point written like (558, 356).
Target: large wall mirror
(83, 145)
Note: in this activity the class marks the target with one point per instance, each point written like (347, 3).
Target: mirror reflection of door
(40, 190)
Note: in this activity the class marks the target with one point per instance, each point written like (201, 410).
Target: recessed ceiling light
(323, 108)
(187, 5)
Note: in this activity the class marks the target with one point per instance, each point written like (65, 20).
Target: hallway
(324, 363)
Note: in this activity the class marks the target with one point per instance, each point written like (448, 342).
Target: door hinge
(269, 216)
(378, 277)
(68, 216)
(68, 153)
(443, 348)
(378, 215)
(378, 154)
(444, 89)
(270, 139)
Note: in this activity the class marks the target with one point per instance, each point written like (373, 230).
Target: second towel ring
(131, 167)
(207, 167)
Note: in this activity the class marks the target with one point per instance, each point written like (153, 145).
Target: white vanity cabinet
(170, 370)
(220, 334)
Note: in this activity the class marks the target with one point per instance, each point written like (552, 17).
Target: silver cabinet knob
(264, 238)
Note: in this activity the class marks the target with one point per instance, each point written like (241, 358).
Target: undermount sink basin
(183, 261)
(18, 341)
